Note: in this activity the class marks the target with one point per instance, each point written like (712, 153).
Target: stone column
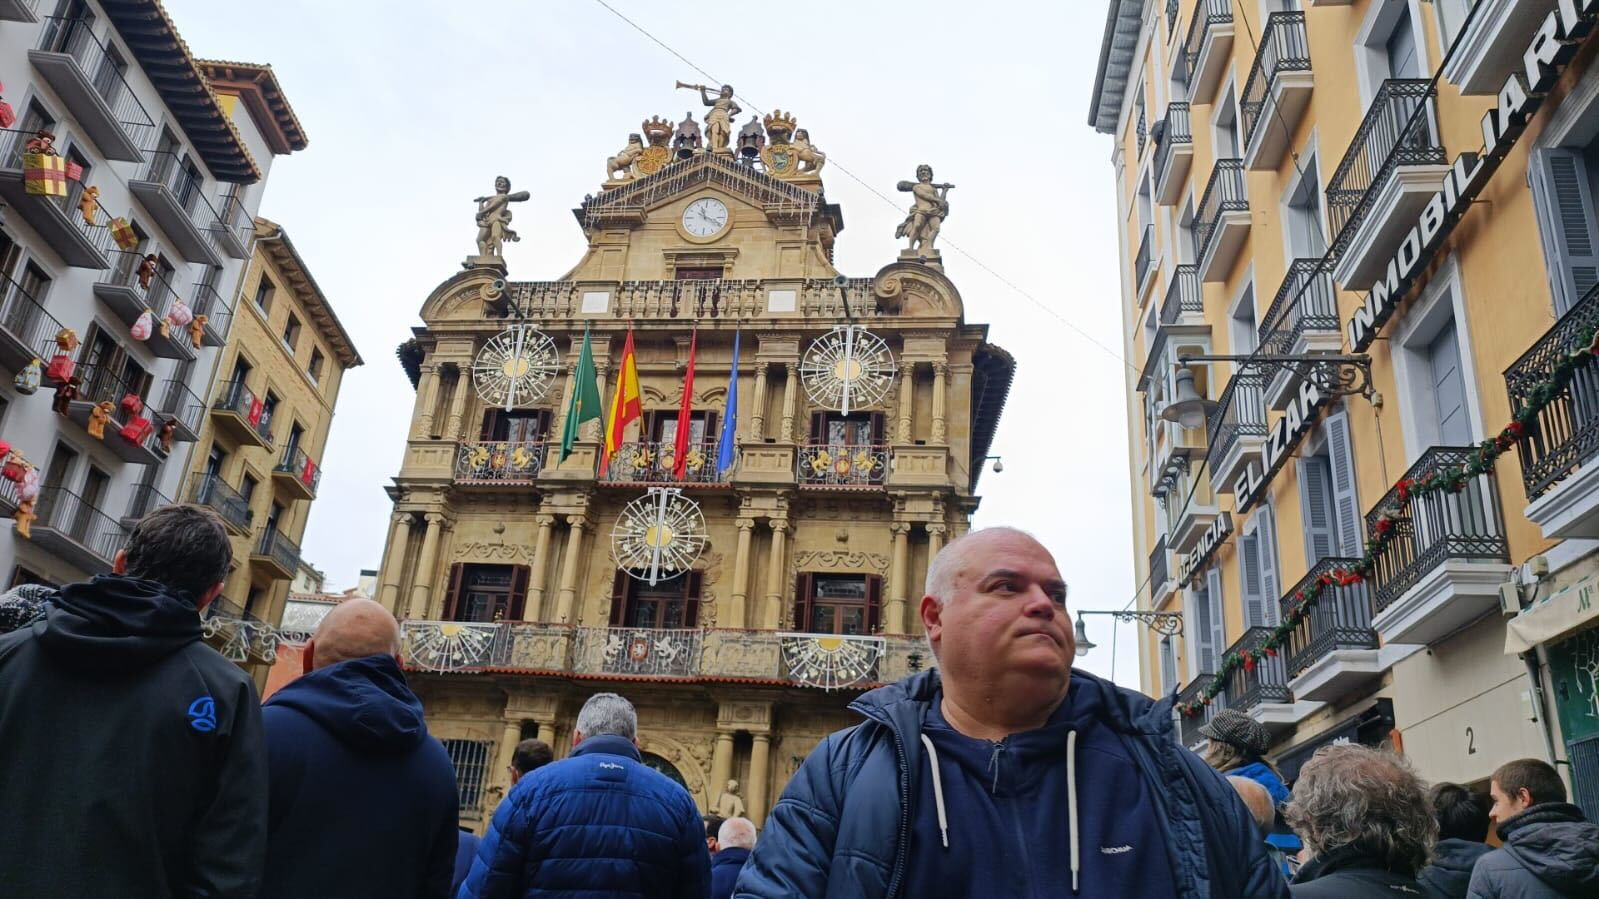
(760, 760)
(541, 569)
(568, 591)
(940, 388)
(421, 580)
(427, 395)
(774, 579)
(907, 386)
(508, 740)
(935, 542)
(596, 427)
(559, 426)
(898, 574)
(463, 386)
(389, 582)
(790, 401)
(741, 577)
(758, 404)
(547, 732)
(721, 765)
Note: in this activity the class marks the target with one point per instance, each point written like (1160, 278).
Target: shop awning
(1574, 606)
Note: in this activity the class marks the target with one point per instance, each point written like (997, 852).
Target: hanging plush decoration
(24, 517)
(143, 326)
(169, 428)
(67, 340)
(123, 234)
(137, 429)
(147, 270)
(98, 419)
(43, 172)
(28, 487)
(8, 116)
(27, 380)
(179, 316)
(309, 472)
(27, 497)
(66, 391)
(88, 202)
(197, 330)
(15, 467)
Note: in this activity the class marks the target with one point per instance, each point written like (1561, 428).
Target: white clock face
(705, 217)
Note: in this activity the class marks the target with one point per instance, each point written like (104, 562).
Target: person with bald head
(1004, 771)
(362, 800)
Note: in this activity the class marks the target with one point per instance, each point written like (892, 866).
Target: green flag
(585, 402)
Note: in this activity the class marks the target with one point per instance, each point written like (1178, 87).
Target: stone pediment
(463, 295)
(625, 206)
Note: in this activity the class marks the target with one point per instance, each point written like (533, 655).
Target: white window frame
(1310, 156)
(1246, 290)
(1227, 98)
(1371, 52)
(1412, 370)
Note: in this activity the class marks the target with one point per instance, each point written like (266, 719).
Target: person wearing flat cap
(1238, 745)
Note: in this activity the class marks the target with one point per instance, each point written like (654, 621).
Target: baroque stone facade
(816, 539)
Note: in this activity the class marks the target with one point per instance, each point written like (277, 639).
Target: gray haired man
(599, 821)
(1367, 825)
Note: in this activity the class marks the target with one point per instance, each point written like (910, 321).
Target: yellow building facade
(257, 461)
(865, 407)
(1342, 199)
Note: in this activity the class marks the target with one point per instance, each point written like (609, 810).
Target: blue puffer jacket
(596, 823)
(841, 828)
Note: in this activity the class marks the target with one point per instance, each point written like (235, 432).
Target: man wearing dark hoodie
(1462, 831)
(131, 756)
(1550, 850)
(1005, 772)
(354, 773)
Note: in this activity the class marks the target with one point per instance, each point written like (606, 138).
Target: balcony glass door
(668, 604)
(95, 486)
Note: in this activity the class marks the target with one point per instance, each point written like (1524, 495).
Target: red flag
(308, 473)
(684, 413)
(625, 403)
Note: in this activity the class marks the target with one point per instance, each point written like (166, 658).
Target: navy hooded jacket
(597, 823)
(725, 866)
(844, 825)
(363, 801)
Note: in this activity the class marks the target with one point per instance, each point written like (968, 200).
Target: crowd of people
(138, 762)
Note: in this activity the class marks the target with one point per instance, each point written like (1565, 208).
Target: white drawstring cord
(938, 791)
(1071, 803)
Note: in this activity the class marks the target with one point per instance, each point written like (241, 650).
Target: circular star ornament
(830, 662)
(847, 368)
(659, 535)
(448, 645)
(515, 368)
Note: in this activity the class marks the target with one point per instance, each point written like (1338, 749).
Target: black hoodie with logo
(132, 761)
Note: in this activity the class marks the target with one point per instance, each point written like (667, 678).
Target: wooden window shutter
(818, 427)
(452, 597)
(491, 424)
(1266, 545)
(879, 428)
(518, 601)
(874, 603)
(619, 597)
(1316, 509)
(802, 602)
(1348, 524)
(692, 582)
(1249, 577)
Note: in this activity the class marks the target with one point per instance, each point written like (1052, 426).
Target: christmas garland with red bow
(1451, 479)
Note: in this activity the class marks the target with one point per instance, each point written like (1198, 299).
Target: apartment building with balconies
(1391, 268)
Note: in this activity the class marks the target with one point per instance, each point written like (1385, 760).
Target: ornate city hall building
(741, 585)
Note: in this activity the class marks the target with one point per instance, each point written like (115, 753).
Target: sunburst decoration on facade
(847, 368)
(448, 645)
(516, 367)
(659, 535)
(828, 661)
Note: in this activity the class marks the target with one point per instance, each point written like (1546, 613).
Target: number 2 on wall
(1471, 742)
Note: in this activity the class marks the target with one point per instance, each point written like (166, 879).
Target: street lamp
(998, 465)
(1166, 624)
(1188, 409)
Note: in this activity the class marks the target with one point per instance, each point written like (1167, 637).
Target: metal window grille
(471, 761)
(1584, 756)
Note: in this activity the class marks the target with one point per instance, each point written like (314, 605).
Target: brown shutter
(618, 597)
(452, 597)
(519, 580)
(710, 431)
(879, 428)
(543, 426)
(874, 603)
(802, 602)
(491, 422)
(818, 427)
(691, 598)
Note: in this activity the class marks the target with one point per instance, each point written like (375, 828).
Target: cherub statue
(719, 121)
(927, 213)
(494, 217)
(99, 418)
(811, 159)
(620, 166)
(729, 805)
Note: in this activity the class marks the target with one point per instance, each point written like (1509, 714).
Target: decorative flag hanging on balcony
(625, 404)
(308, 473)
(685, 412)
(725, 449)
(585, 402)
(257, 409)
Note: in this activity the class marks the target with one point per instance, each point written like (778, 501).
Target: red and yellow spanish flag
(625, 405)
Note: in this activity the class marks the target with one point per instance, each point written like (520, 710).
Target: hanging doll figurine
(66, 392)
(27, 380)
(147, 270)
(24, 517)
(42, 143)
(168, 429)
(88, 202)
(98, 419)
(197, 330)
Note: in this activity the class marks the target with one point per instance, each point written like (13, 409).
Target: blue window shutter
(1316, 509)
(1202, 645)
(1351, 529)
(1565, 207)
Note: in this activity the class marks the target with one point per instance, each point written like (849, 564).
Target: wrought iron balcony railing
(655, 463)
(499, 462)
(1437, 527)
(166, 168)
(1182, 296)
(25, 318)
(182, 404)
(1171, 18)
(735, 298)
(75, 517)
(1223, 193)
(213, 492)
(1207, 14)
(1283, 48)
(1141, 260)
(1565, 434)
(1268, 682)
(1177, 131)
(237, 398)
(75, 37)
(145, 499)
(283, 552)
(237, 633)
(1304, 302)
(124, 272)
(1188, 728)
(233, 218)
(1240, 412)
(1400, 128)
(297, 462)
(207, 302)
(838, 465)
(1341, 618)
(1142, 130)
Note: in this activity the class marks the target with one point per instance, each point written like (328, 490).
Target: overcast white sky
(413, 108)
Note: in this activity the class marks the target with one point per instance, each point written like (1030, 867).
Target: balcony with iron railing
(655, 462)
(129, 294)
(275, 555)
(9, 500)
(1141, 261)
(27, 331)
(1266, 682)
(1395, 163)
(243, 415)
(234, 227)
(1142, 130)
(104, 392)
(57, 219)
(146, 498)
(1447, 556)
(1237, 428)
(87, 76)
(1189, 725)
(1171, 18)
(1185, 301)
(1302, 318)
(1208, 49)
(1557, 454)
(1159, 569)
(75, 530)
(1190, 503)
(237, 633)
(213, 313)
(1174, 155)
(1492, 39)
(210, 490)
(297, 474)
(502, 462)
(25, 11)
(1221, 221)
(181, 406)
(839, 466)
(1333, 649)
(175, 198)
(1277, 90)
